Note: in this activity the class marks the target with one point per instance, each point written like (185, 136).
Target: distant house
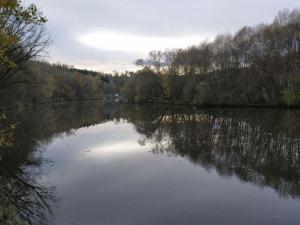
(115, 98)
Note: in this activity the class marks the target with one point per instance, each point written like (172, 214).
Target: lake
(97, 164)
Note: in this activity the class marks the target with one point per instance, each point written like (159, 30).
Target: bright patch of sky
(109, 35)
(114, 41)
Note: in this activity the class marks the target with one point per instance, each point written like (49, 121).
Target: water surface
(158, 165)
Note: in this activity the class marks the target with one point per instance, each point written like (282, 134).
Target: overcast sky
(108, 35)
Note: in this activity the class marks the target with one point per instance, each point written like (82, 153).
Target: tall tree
(22, 37)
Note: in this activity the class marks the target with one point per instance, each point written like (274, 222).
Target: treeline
(257, 66)
(52, 83)
(23, 80)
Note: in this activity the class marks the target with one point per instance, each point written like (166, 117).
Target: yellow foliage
(12, 12)
(9, 3)
(6, 134)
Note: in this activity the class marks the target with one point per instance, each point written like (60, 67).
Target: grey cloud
(68, 18)
(162, 17)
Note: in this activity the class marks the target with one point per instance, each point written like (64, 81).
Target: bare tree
(26, 38)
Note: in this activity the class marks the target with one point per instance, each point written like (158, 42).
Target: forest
(25, 77)
(52, 83)
(256, 66)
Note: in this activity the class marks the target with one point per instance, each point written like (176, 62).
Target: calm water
(129, 165)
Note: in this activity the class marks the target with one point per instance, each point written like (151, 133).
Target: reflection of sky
(111, 27)
(104, 176)
(97, 140)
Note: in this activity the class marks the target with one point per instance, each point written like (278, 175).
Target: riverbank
(33, 104)
(162, 103)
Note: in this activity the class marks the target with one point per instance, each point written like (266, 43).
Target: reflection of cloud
(116, 41)
(124, 147)
(111, 141)
(103, 140)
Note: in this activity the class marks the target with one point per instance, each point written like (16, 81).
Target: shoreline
(250, 106)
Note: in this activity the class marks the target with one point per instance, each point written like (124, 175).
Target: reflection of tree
(31, 201)
(24, 200)
(20, 195)
(6, 134)
(258, 147)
